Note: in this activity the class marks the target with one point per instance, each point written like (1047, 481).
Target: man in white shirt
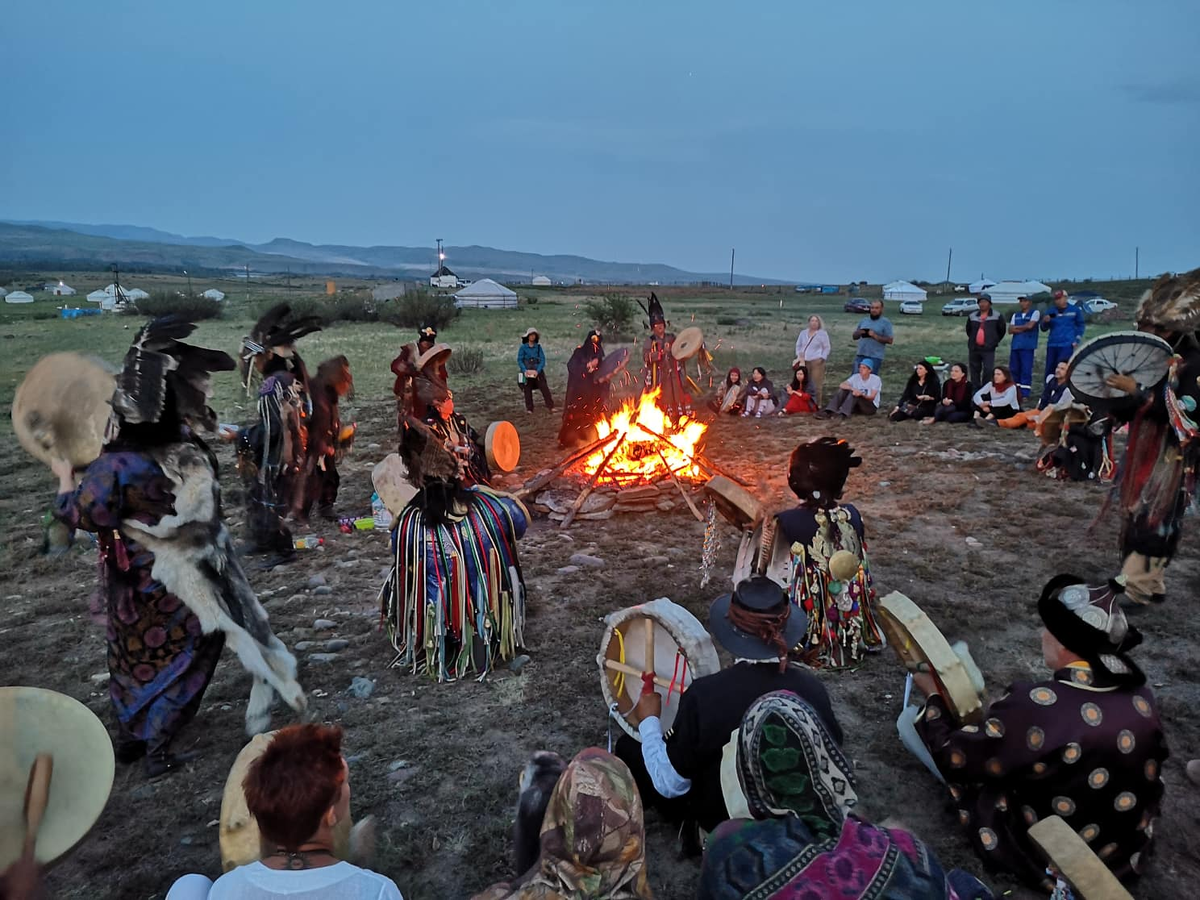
(298, 791)
(857, 394)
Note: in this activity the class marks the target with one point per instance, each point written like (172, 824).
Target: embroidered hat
(1088, 621)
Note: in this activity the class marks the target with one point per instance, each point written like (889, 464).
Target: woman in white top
(812, 349)
(997, 400)
(297, 791)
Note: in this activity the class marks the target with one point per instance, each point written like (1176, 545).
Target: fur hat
(655, 311)
(276, 333)
(1088, 621)
(818, 469)
(425, 455)
(1173, 304)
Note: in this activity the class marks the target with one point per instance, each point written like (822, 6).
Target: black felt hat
(757, 594)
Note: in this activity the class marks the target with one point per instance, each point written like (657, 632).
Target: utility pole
(189, 277)
(247, 281)
(1137, 252)
(948, 258)
(732, 255)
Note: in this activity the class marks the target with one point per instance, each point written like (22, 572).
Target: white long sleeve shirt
(667, 781)
(988, 394)
(813, 344)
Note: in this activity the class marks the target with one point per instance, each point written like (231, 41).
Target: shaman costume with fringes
(173, 590)
(454, 600)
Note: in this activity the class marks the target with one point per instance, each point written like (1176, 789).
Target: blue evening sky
(824, 140)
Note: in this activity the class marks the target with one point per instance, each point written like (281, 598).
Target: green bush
(466, 361)
(163, 303)
(614, 314)
(418, 308)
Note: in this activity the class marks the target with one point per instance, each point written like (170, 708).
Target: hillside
(57, 244)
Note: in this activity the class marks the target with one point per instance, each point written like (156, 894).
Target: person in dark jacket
(681, 774)
(1066, 326)
(325, 445)
(531, 362)
(587, 393)
(921, 395)
(985, 331)
(956, 398)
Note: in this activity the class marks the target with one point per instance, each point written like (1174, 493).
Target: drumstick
(37, 797)
(631, 670)
(649, 645)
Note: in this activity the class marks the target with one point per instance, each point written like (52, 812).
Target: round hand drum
(1145, 358)
(736, 504)
(687, 343)
(61, 409)
(660, 637)
(502, 445)
(612, 364)
(918, 643)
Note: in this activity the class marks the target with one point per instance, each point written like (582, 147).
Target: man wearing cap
(1024, 330)
(531, 363)
(1086, 744)
(681, 773)
(985, 331)
(1065, 323)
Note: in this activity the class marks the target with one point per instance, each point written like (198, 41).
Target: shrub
(417, 308)
(162, 303)
(466, 361)
(614, 313)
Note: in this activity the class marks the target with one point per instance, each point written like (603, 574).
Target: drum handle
(765, 544)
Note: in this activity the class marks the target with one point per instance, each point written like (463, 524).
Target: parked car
(857, 305)
(1094, 305)
(912, 307)
(960, 306)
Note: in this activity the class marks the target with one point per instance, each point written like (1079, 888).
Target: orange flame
(637, 460)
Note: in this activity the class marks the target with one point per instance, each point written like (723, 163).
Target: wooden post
(542, 480)
(583, 495)
(686, 499)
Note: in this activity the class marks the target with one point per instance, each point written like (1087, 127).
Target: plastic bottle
(380, 513)
(308, 542)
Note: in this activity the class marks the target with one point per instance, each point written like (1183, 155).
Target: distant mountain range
(47, 244)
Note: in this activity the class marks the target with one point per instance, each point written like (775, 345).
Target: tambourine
(612, 364)
(687, 343)
(921, 647)
(502, 445)
(1146, 358)
(61, 409)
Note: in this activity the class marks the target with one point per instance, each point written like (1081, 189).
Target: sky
(822, 140)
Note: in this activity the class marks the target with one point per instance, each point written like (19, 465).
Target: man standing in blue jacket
(1024, 330)
(1065, 324)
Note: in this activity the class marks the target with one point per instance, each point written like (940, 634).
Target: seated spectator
(804, 840)
(921, 395)
(760, 394)
(730, 394)
(857, 394)
(297, 791)
(593, 839)
(1055, 395)
(956, 398)
(800, 400)
(997, 400)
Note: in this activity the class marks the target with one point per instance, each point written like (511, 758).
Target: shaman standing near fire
(174, 592)
(271, 453)
(1157, 478)
(660, 368)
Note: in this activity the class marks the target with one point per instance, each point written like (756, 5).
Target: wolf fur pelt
(195, 560)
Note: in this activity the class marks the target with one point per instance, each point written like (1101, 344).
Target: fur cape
(194, 559)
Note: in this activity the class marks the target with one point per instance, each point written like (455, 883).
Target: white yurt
(486, 294)
(1009, 291)
(978, 287)
(213, 294)
(18, 297)
(541, 281)
(903, 290)
(135, 294)
(62, 289)
(99, 296)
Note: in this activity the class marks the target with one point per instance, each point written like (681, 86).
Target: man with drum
(661, 368)
(1086, 744)
(680, 773)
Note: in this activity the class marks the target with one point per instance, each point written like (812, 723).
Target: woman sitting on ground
(800, 400)
(730, 393)
(798, 836)
(760, 394)
(920, 397)
(997, 400)
(956, 398)
(593, 839)
(298, 791)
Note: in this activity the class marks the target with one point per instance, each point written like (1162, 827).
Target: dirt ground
(445, 815)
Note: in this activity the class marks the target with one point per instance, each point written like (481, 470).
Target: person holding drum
(661, 369)
(587, 392)
(680, 773)
(1086, 744)
(460, 438)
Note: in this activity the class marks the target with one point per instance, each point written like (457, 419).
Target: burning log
(544, 479)
(686, 499)
(570, 517)
(697, 459)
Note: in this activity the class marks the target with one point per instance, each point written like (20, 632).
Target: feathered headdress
(275, 334)
(653, 309)
(159, 365)
(1173, 304)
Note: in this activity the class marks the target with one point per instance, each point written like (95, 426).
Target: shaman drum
(1075, 862)
(734, 502)
(502, 445)
(35, 721)
(687, 343)
(238, 834)
(436, 356)
(61, 409)
(1146, 358)
(660, 637)
(919, 644)
(391, 483)
(612, 364)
